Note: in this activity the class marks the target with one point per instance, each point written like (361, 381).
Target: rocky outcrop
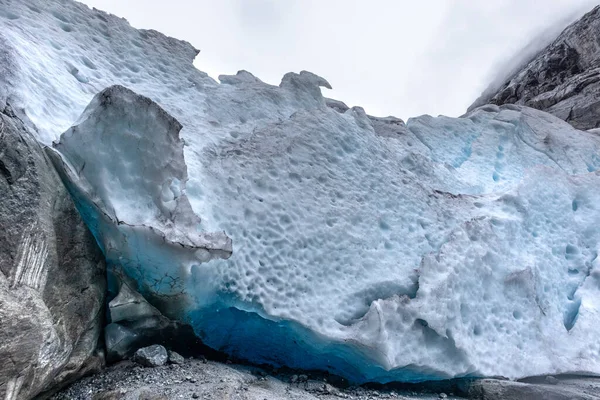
(52, 280)
(542, 388)
(563, 79)
(151, 356)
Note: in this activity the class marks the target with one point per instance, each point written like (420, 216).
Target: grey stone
(151, 356)
(565, 389)
(52, 273)
(563, 79)
(175, 358)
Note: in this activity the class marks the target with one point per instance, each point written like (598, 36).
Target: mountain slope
(563, 79)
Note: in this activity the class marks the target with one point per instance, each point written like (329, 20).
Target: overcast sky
(393, 57)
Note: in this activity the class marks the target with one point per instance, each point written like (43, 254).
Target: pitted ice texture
(374, 249)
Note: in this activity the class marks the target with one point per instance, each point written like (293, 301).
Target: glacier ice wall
(457, 247)
(123, 163)
(375, 249)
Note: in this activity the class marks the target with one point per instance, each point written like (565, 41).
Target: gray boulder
(563, 79)
(52, 274)
(151, 356)
(565, 388)
(175, 358)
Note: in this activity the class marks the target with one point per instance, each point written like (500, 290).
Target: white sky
(393, 57)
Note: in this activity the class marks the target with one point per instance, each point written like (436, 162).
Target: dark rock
(565, 389)
(175, 358)
(151, 356)
(563, 79)
(52, 280)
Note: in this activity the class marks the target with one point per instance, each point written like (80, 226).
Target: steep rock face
(563, 79)
(52, 283)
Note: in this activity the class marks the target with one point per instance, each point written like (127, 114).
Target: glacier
(292, 230)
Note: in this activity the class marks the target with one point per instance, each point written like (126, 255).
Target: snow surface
(377, 250)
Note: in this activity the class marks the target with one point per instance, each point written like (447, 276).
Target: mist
(391, 57)
(503, 71)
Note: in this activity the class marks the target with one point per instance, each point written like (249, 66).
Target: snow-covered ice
(123, 163)
(371, 248)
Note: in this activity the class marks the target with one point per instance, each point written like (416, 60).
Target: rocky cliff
(563, 79)
(52, 274)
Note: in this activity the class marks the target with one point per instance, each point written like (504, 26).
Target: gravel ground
(203, 379)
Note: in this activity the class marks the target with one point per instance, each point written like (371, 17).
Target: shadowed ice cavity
(123, 164)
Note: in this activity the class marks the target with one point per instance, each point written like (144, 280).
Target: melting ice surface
(376, 250)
